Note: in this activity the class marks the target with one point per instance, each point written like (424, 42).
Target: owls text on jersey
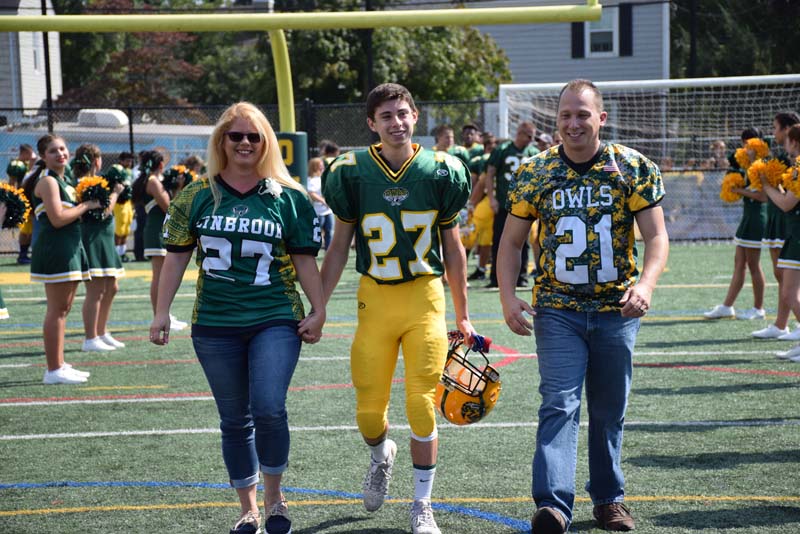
(398, 214)
(246, 274)
(586, 234)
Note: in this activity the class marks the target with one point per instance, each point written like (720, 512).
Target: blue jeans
(573, 348)
(326, 225)
(249, 377)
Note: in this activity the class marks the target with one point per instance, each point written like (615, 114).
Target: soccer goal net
(677, 124)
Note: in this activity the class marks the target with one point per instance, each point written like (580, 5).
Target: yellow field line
(330, 502)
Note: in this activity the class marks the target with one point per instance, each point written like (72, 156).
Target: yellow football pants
(411, 315)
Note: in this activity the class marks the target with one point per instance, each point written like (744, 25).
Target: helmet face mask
(466, 392)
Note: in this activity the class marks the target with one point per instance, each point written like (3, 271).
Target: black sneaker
(23, 260)
(249, 523)
(478, 274)
(278, 521)
(522, 282)
(492, 284)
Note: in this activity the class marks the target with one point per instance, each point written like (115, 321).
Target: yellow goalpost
(275, 23)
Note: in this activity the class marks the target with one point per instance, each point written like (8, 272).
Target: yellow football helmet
(467, 393)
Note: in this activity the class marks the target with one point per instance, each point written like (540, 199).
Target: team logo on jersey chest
(240, 210)
(395, 195)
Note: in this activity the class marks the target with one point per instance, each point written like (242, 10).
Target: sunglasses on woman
(236, 137)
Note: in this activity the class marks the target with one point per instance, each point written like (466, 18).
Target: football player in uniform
(470, 137)
(446, 142)
(257, 235)
(123, 209)
(500, 169)
(481, 215)
(27, 155)
(588, 299)
(402, 203)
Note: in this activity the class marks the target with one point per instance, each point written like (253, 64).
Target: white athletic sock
(380, 452)
(423, 482)
(121, 250)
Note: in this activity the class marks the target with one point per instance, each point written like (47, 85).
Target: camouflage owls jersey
(397, 214)
(586, 224)
(246, 275)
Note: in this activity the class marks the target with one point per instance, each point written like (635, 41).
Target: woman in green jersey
(256, 235)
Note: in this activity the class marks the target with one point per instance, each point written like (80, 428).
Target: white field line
(354, 428)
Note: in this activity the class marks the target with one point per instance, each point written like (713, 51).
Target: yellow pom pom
(730, 181)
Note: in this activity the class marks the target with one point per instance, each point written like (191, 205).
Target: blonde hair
(270, 162)
(316, 166)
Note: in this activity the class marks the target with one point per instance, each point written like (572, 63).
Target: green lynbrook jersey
(397, 214)
(506, 159)
(246, 276)
(588, 257)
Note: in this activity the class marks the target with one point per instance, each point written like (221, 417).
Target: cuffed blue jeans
(249, 377)
(573, 348)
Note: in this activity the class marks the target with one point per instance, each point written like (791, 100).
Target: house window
(602, 37)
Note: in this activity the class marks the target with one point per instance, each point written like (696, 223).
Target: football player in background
(500, 170)
(588, 301)
(470, 139)
(480, 213)
(123, 210)
(446, 142)
(257, 235)
(27, 155)
(402, 204)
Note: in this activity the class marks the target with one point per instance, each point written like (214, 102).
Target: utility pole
(47, 73)
(692, 70)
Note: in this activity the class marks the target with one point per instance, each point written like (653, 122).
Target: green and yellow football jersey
(478, 164)
(476, 149)
(506, 159)
(246, 275)
(398, 214)
(588, 256)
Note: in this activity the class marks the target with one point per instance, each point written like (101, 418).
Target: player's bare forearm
(515, 232)
(455, 262)
(336, 257)
(656, 245)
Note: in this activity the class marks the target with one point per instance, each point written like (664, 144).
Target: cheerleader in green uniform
(105, 265)
(59, 259)
(789, 259)
(149, 192)
(748, 240)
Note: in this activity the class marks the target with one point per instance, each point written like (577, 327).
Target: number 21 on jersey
(579, 274)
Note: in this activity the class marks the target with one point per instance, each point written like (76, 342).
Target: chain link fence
(692, 205)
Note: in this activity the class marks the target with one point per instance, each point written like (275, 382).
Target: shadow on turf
(322, 527)
(716, 460)
(20, 383)
(713, 390)
(742, 517)
(692, 343)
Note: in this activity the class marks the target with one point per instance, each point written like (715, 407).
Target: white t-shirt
(314, 185)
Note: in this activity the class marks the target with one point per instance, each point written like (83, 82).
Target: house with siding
(22, 61)
(630, 42)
